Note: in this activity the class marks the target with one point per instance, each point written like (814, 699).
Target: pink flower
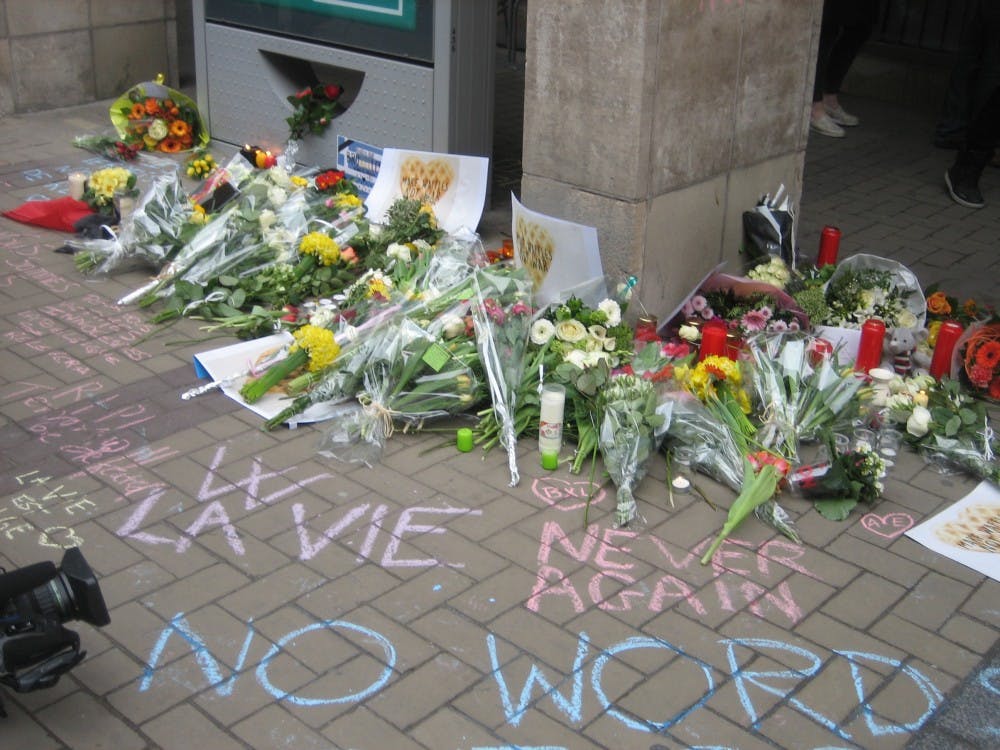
(675, 350)
(754, 321)
(494, 311)
(520, 308)
(778, 326)
(699, 303)
(707, 313)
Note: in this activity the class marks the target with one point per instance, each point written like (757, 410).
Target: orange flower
(170, 145)
(138, 111)
(988, 354)
(152, 106)
(179, 128)
(970, 308)
(187, 139)
(938, 304)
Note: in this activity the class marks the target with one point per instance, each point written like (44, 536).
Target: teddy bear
(902, 345)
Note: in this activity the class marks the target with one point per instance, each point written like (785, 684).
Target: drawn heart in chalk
(566, 495)
(425, 180)
(888, 526)
(535, 247)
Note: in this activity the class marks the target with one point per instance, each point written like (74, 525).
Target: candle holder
(948, 335)
(870, 346)
(550, 418)
(463, 440)
(713, 340)
(77, 185)
(829, 246)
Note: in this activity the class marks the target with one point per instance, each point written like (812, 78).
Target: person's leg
(982, 136)
(819, 120)
(859, 21)
(964, 93)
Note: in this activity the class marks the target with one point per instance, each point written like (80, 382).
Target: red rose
(292, 313)
(332, 91)
(307, 91)
(995, 389)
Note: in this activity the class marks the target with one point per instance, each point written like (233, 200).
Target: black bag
(769, 229)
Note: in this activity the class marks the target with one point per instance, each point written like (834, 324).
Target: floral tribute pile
(398, 325)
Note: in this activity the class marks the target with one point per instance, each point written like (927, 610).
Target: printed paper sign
(968, 531)
(360, 162)
(454, 185)
(561, 257)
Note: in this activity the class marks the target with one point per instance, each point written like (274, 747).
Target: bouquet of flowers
(866, 286)
(163, 221)
(837, 485)
(630, 432)
(502, 316)
(942, 420)
(157, 118)
(801, 396)
(717, 450)
(110, 148)
(759, 485)
(313, 109)
(104, 184)
(979, 352)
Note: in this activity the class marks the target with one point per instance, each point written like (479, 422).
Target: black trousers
(846, 26)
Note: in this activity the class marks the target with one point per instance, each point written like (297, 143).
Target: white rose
(276, 196)
(158, 129)
(610, 308)
(919, 422)
(906, 319)
(591, 359)
(571, 330)
(452, 325)
(397, 250)
(322, 317)
(542, 331)
(576, 357)
(267, 218)
(689, 333)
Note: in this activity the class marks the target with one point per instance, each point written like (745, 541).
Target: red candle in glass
(870, 347)
(713, 339)
(645, 329)
(829, 246)
(948, 335)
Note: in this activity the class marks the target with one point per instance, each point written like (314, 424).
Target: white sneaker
(839, 116)
(826, 126)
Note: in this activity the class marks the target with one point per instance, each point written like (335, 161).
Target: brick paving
(262, 596)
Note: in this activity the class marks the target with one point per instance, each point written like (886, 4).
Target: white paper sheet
(968, 531)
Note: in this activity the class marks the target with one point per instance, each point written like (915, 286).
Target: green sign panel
(400, 14)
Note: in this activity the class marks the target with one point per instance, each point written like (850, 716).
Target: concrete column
(661, 121)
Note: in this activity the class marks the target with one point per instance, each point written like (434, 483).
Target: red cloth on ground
(59, 213)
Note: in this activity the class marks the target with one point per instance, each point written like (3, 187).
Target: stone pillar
(661, 121)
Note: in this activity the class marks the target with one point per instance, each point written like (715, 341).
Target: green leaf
(229, 281)
(952, 426)
(237, 298)
(186, 290)
(968, 416)
(835, 510)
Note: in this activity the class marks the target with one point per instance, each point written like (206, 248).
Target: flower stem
(253, 390)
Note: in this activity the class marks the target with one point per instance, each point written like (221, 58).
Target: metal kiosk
(416, 74)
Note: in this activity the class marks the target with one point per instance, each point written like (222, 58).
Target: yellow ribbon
(378, 413)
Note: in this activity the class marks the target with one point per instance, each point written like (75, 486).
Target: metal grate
(934, 25)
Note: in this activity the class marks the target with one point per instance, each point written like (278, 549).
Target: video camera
(35, 601)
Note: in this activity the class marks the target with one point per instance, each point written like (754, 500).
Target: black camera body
(35, 648)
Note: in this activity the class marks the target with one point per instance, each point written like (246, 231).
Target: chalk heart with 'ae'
(888, 526)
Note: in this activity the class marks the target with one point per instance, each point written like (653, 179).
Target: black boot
(962, 178)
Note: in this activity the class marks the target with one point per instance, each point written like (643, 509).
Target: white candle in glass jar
(77, 184)
(550, 418)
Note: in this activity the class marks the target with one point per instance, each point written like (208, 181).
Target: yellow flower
(198, 214)
(346, 200)
(319, 343)
(427, 208)
(299, 181)
(932, 332)
(327, 251)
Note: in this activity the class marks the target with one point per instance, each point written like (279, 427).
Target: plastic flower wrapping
(154, 117)
(867, 286)
(631, 428)
(502, 316)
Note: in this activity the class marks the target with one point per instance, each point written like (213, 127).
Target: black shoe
(963, 186)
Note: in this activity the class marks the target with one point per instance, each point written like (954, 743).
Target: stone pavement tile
(393, 484)
(157, 540)
(411, 649)
(82, 723)
(133, 582)
(940, 564)
(362, 728)
(106, 672)
(419, 692)
(422, 538)
(968, 633)
(864, 600)
(423, 593)
(22, 725)
(185, 727)
(794, 599)
(288, 582)
(925, 645)
(464, 489)
(275, 726)
(787, 727)
(341, 594)
(192, 592)
(945, 594)
(871, 557)
(909, 492)
(706, 728)
(495, 515)
(740, 702)
(983, 604)
(834, 635)
(449, 728)
(252, 556)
